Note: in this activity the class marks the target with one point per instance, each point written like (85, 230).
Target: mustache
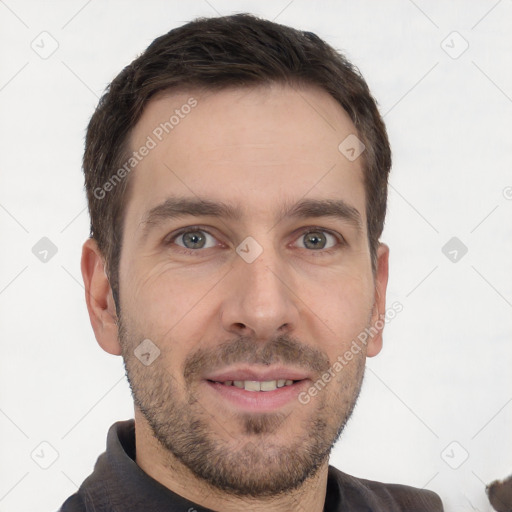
(245, 349)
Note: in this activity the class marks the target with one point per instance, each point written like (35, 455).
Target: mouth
(251, 390)
(256, 385)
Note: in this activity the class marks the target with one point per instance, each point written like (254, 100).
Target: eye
(194, 239)
(318, 239)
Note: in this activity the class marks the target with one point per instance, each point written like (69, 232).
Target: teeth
(256, 385)
(268, 385)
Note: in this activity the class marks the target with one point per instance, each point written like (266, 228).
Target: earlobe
(99, 299)
(379, 307)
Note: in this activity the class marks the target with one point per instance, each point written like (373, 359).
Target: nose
(259, 300)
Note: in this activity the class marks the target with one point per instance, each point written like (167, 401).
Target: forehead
(250, 146)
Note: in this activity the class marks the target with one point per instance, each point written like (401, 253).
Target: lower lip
(258, 401)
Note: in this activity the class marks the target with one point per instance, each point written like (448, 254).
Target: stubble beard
(240, 458)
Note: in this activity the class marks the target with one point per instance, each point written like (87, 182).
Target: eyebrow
(177, 207)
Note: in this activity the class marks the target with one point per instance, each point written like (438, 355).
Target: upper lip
(251, 373)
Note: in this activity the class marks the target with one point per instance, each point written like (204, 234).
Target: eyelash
(196, 252)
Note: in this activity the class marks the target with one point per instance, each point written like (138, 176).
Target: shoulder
(405, 497)
(73, 504)
(386, 497)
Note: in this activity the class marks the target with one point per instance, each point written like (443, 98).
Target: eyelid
(206, 233)
(169, 239)
(314, 229)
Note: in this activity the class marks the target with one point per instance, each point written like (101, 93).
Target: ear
(99, 298)
(379, 306)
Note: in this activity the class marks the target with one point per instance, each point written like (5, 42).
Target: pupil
(315, 240)
(193, 240)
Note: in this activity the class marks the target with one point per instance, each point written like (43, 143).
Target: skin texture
(296, 305)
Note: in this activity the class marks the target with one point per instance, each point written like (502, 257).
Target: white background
(444, 374)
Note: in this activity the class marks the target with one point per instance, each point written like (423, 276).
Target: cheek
(344, 303)
(166, 305)
(154, 290)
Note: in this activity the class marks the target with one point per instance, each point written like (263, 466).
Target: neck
(163, 467)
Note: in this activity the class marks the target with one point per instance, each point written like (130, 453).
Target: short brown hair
(215, 53)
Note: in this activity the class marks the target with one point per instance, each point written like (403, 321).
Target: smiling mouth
(257, 385)
(253, 395)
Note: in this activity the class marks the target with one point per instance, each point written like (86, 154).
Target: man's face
(269, 284)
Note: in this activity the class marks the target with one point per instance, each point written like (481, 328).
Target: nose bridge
(259, 302)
